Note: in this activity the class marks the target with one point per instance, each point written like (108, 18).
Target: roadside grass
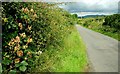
(72, 56)
(110, 34)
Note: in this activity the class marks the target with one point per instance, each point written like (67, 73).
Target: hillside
(94, 16)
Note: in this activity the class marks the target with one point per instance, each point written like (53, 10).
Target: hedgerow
(28, 30)
(113, 21)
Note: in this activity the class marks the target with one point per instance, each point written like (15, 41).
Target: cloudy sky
(92, 7)
(89, 7)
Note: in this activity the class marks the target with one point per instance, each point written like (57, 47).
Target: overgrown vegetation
(69, 57)
(113, 21)
(108, 25)
(33, 35)
(72, 57)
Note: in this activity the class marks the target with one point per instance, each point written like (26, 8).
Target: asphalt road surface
(102, 50)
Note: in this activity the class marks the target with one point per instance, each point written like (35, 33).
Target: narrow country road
(102, 50)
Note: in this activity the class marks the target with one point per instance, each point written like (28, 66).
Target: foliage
(108, 25)
(74, 58)
(28, 30)
(91, 22)
(113, 21)
(69, 57)
(75, 15)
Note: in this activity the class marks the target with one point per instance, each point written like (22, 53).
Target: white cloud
(92, 6)
(86, 1)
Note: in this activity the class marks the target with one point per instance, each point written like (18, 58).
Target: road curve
(102, 50)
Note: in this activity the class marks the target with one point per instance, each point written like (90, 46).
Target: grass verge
(72, 57)
(69, 57)
(110, 34)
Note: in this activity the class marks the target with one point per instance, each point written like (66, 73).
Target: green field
(99, 24)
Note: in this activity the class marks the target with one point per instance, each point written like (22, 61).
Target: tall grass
(72, 57)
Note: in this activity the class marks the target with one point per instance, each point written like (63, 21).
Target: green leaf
(21, 16)
(17, 64)
(14, 25)
(0, 68)
(12, 72)
(6, 61)
(9, 26)
(25, 40)
(24, 63)
(22, 68)
(25, 17)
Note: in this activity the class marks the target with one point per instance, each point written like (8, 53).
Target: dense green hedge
(113, 21)
(28, 30)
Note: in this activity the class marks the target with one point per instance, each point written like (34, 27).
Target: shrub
(113, 21)
(29, 29)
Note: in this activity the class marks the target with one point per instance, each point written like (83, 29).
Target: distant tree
(113, 21)
(75, 15)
